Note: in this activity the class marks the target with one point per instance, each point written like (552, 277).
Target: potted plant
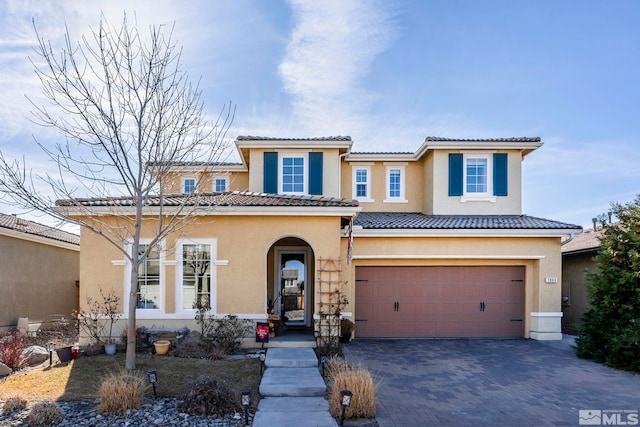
(346, 327)
(92, 322)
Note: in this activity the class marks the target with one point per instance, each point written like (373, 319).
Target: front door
(292, 278)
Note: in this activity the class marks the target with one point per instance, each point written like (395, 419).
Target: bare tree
(128, 114)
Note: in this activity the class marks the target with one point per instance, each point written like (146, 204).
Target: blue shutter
(455, 174)
(315, 173)
(500, 174)
(270, 173)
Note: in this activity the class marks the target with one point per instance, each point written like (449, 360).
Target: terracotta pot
(162, 346)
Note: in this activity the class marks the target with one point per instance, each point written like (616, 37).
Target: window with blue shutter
(315, 173)
(500, 174)
(270, 173)
(456, 175)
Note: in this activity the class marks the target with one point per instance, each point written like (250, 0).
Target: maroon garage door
(483, 301)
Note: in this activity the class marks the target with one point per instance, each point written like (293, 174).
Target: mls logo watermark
(608, 417)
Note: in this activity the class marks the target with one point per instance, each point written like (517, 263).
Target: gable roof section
(387, 221)
(20, 226)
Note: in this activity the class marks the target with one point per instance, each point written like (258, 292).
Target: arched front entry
(290, 282)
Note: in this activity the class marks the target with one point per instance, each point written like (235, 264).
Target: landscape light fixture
(153, 379)
(245, 400)
(263, 357)
(323, 361)
(50, 348)
(345, 401)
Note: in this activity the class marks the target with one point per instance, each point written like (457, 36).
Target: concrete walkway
(292, 391)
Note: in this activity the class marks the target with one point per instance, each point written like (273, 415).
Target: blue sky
(389, 74)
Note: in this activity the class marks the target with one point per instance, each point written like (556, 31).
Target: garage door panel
(440, 301)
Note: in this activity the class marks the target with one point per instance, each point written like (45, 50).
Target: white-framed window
(196, 278)
(478, 177)
(293, 174)
(150, 286)
(189, 185)
(395, 189)
(220, 184)
(148, 292)
(361, 186)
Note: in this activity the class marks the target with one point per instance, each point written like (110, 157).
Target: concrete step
(291, 358)
(280, 382)
(294, 412)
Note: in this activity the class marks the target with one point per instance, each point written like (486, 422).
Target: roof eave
(462, 232)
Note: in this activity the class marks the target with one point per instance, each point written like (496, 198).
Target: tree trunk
(130, 363)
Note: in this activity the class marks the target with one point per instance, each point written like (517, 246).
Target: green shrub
(204, 396)
(45, 413)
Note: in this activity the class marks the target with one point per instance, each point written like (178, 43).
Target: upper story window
(148, 293)
(361, 187)
(292, 175)
(395, 184)
(478, 176)
(220, 184)
(189, 185)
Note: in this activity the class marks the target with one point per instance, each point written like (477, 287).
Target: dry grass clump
(204, 396)
(14, 404)
(359, 381)
(121, 391)
(45, 413)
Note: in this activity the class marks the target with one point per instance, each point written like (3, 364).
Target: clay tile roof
(227, 198)
(268, 138)
(514, 139)
(12, 222)
(418, 221)
(587, 241)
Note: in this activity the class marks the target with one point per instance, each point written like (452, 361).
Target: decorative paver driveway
(493, 382)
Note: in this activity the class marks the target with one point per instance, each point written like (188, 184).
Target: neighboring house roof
(12, 222)
(585, 242)
(227, 198)
(419, 221)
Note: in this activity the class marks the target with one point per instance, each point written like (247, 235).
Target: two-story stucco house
(431, 243)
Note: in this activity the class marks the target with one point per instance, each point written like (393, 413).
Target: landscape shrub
(14, 404)
(229, 331)
(121, 391)
(359, 381)
(45, 413)
(204, 396)
(11, 347)
(196, 349)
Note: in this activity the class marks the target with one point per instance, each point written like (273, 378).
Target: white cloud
(330, 51)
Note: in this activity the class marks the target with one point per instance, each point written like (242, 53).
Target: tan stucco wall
(37, 280)
(574, 286)
(540, 256)
(242, 245)
(330, 170)
(443, 204)
(238, 181)
(413, 186)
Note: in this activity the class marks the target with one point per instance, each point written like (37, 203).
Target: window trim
(354, 184)
(184, 184)
(145, 313)
(305, 172)
(486, 196)
(179, 272)
(395, 199)
(221, 177)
